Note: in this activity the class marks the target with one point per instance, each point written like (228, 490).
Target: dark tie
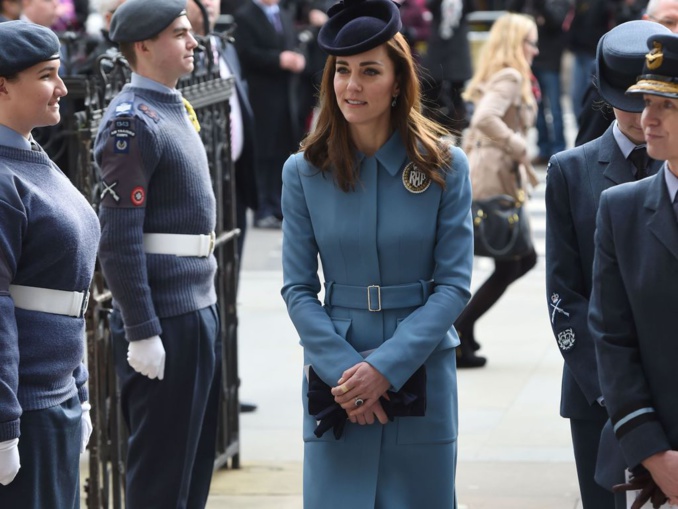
(640, 160)
(274, 18)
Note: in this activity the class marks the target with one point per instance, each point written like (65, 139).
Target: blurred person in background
(549, 16)
(40, 12)
(575, 180)
(265, 39)
(447, 63)
(496, 143)
(10, 10)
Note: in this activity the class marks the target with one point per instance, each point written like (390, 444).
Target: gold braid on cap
(661, 87)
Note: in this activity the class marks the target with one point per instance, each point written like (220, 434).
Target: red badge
(138, 196)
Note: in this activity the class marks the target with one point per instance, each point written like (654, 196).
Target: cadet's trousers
(172, 422)
(585, 440)
(49, 452)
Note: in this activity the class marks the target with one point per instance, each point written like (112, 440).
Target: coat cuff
(642, 442)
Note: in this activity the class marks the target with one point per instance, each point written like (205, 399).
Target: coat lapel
(662, 222)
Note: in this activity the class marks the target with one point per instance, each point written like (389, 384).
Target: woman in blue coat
(384, 199)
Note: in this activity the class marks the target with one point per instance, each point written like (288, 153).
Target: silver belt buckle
(85, 303)
(212, 241)
(369, 298)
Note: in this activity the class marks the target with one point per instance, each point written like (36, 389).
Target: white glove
(9, 461)
(147, 356)
(85, 426)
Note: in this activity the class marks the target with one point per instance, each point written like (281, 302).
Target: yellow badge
(415, 181)
(654, 58)
(191, 114)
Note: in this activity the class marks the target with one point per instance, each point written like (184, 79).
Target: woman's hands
(363, 383)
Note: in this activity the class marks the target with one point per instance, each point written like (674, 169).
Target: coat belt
(376, 297)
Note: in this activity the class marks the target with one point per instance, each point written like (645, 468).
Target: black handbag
(501, 229)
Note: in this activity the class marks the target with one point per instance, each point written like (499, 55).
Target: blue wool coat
(380, 234)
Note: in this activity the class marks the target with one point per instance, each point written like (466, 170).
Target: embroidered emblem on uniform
(123, 129)
(555, 304)
(415, 181)
(566, 339)
(109, 189)
(121, 146)
(138, 196)
(149, 113)
(123, 108)
(655, 57)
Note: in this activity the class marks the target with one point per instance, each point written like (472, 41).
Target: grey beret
(22, 45)
(138, 20)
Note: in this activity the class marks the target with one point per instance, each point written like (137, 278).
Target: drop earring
(393, 103)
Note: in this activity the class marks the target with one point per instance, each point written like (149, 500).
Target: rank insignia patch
(414, 180)
(123, 109)
(555, 304)
(149, 113)
(138, 196)
(566, 339)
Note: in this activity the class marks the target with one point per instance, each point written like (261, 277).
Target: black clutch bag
(409, 401)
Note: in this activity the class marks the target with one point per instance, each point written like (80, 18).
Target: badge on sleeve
(149, 113)
(566, 339)
(555, 304)
(414, 180)
(138, 196)
(122, 131)
(123, 109)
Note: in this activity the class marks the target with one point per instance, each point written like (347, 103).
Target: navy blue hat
(660, 72)
(619, 61)
(22, 45)
(356, 26)
(138, 20)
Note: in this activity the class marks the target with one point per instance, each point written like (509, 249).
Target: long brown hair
(329, 146)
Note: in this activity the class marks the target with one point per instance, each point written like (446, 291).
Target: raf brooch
(414, 180)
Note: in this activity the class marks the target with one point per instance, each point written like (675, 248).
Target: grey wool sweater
(155, 180)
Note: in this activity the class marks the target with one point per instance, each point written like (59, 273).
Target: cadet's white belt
(46, 300)
(178, 244)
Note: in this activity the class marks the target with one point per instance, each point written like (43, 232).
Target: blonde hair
(330, 149)
(504, 48)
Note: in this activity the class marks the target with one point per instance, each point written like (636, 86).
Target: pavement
(514, 448)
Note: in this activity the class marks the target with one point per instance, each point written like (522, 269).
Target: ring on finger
(358, 402)
(343, 388)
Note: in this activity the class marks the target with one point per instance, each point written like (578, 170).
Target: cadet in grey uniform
(158, 214)
(48, 241)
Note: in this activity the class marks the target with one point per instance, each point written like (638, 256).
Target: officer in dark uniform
(574, 182)
(635, 276)
(158, 214)
(48, 241)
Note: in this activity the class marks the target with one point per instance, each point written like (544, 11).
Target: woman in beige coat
(496, 144)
